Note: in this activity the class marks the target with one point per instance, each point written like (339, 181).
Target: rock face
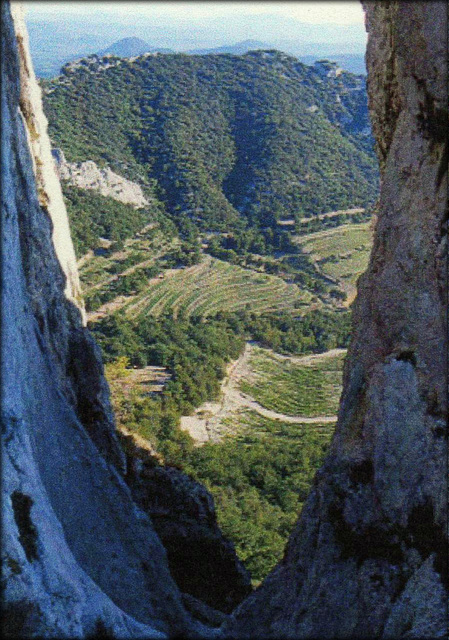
(88, 175)
(78, 557)
(48, 186)
(202, 561)
(368, 557)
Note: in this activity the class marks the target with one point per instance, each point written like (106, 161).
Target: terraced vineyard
(305, 386)
(97, 269)
(213, 286)
(248, 425)
(341, 253)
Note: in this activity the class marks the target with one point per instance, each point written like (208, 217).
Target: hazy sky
(337, 12)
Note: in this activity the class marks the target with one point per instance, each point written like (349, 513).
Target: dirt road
(208, 421)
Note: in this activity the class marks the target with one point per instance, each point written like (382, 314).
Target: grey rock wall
(369, 555)
(202, 561)
(78, 557)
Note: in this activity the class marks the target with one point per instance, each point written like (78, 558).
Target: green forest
(230, 142)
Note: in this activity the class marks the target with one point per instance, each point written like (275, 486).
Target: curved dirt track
(206, 424)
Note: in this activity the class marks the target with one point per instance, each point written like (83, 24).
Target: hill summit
(237, 49)
(222, 139)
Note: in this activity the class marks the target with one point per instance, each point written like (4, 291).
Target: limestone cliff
(368, 557)
(78, 557)
(88, 175)
(48, 186)
(202, 561)
(80, 554)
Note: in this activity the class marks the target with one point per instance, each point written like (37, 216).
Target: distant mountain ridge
(238, 48)
(129, 47)
(55, 39)
(352, 62)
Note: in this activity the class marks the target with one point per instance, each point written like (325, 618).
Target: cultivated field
(295, 386)
(213, 286)
(341, 253)
(251, 424)
(292, 394)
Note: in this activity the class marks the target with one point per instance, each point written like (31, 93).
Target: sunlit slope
(341, 253)
(213, 286)
(222, 139)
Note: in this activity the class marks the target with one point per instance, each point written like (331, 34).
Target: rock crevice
(368, 557)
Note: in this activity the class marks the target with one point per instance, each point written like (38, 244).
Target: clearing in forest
(291, 392)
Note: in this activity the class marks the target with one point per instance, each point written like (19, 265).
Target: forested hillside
(229, 141)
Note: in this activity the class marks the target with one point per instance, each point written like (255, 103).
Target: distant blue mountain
(129, 47)
(55, 40)
(237, 49)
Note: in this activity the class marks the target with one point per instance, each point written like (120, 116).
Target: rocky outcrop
(368, 557)
(32, 200)
(202, 561)
(88, 175)
(79, 558)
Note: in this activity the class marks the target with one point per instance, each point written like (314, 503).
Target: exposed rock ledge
(88, 175)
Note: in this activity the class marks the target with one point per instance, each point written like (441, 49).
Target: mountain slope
(226, 140)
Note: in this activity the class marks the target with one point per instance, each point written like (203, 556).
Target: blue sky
(318, 12)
